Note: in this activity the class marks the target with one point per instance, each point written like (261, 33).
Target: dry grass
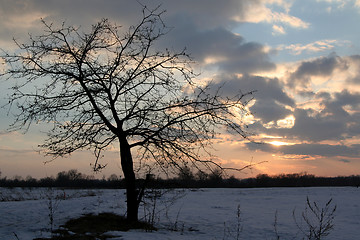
(91, 227)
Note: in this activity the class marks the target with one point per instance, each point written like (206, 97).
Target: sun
(279, 143)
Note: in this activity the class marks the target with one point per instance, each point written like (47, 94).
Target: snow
(209, 214)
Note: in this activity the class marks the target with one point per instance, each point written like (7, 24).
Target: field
(211, 214)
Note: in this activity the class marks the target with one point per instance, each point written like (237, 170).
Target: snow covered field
(209, 214)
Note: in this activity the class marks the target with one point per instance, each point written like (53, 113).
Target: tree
(104, 87)
(186, 174)
(71, 175)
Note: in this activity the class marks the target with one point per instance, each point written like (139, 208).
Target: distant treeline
(75, 179)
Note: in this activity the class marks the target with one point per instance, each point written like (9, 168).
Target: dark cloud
(323, 66)
(204, 13)
(267, 88)
(18, 18)
(322, 95)
(271, 100)
(218, 47)
(202, 28)
(211, 13)
(313, 126)
(321, 150)
(324, 150)
(344, 98)
(332, 123)
(269, 110)
(343, 108)
(355, 59)
(338, 120)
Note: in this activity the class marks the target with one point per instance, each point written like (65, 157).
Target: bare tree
(104, 87)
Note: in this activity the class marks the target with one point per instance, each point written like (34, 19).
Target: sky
(301, 56)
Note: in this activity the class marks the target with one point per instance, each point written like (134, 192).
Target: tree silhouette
(103, 88)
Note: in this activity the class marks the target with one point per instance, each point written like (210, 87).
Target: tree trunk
(128, 170)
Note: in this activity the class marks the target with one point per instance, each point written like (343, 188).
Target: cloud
(344, 108)
(18, 18)
(271, 99)
(314, 127)
(323, 150)
(323, 67)
(204, 13)
(261, 12)
(336, 120)
(123, 11)
(353, 74)
(327, 73)
(288, 20)
(317, 46)
(278, 30)
(218, 47)
(340, 4)
(345, 98)
(269, 111)
(205, 31)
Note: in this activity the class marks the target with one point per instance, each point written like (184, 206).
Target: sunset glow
(278, 143)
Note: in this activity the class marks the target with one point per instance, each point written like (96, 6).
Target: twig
(16, 236)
